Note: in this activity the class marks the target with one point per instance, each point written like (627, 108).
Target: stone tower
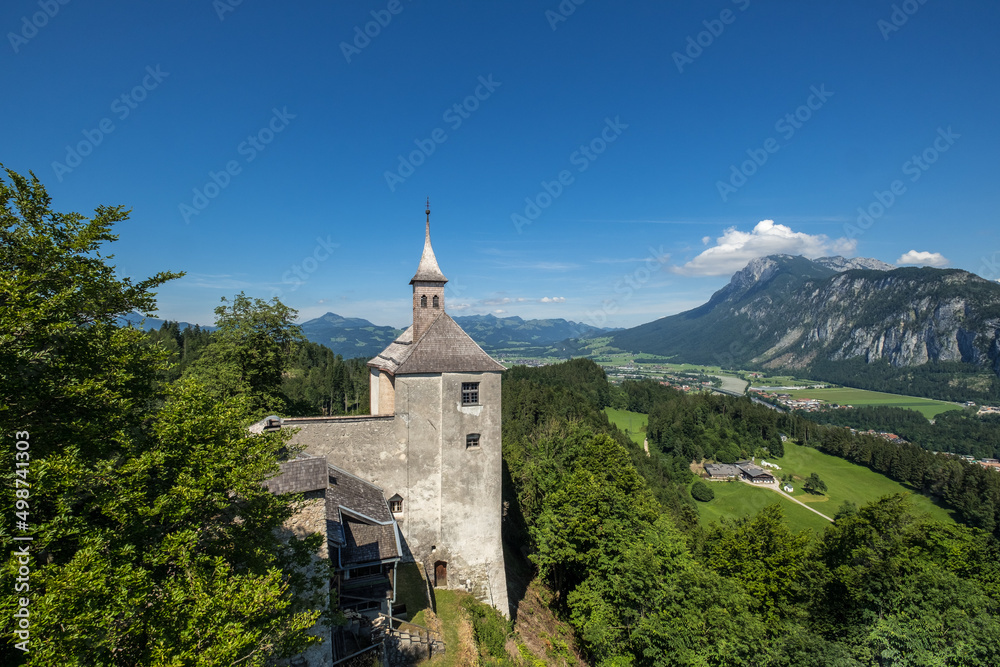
(432, 442)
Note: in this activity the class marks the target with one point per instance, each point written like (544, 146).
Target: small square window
(470, 393)
(396, 504)
(472, 441)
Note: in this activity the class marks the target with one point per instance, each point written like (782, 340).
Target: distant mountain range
(149, 323)
(785, 312)
(355, 337)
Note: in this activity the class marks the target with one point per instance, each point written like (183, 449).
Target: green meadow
(849, 396)
(844, 481)
(738, 499)
(633, 424)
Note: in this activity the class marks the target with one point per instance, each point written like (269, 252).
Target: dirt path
(777, 489)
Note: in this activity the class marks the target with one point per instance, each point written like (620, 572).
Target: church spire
(428, 270)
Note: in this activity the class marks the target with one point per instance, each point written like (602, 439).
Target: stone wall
(451, 494)
(311, 518)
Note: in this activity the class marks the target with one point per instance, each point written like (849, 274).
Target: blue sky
(603, 162)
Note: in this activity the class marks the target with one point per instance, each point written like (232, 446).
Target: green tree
(775, 447)
(250, 351)
(152, 532)
(814, 484)
(765, 556)
(701, 491)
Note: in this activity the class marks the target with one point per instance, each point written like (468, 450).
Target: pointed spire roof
(428, 271)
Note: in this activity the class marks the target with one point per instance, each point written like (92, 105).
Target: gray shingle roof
(367, 542)
(354, 493)
(358, 520)
(305, 473)
(444, 348)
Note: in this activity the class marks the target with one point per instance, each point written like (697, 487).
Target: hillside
(349, 336)
(843, 320)
(355, 337)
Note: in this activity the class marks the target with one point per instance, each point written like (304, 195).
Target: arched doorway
(441, 574)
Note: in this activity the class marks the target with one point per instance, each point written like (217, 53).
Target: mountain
(349, 336)
(149, 323)
(497, 332)
(355, 337)
(831, 314)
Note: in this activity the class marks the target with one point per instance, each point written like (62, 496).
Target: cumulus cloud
(734, 248)
(553, 299)
(499, 311)
(923, 258)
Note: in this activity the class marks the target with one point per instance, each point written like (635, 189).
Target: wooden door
(441, 574)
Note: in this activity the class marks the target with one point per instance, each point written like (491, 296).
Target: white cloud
(923, 258)
(459, 306)
(499, 311)
(705, 240)
(734, 248)
(553, 299)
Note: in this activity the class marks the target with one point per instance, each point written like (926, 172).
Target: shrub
(701, 491)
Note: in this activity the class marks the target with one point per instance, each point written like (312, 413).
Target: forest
(944, 381)
(315, 380)
(955, 431)
(611, 532)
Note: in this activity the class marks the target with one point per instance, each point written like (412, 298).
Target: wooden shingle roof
(428, 269)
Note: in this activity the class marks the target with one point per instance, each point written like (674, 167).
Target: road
(777, 489)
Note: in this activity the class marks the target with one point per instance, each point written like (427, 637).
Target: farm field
(632, 423)
(844, 481)
(737, 499)
(848, 396)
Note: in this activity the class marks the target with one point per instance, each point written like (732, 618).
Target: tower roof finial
(428, 270)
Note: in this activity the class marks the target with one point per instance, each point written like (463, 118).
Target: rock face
(790, 312)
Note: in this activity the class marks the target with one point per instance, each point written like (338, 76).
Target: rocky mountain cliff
(795, 313)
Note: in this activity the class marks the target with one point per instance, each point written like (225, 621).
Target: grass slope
(845, 481)
(737, 499)
(632, 424)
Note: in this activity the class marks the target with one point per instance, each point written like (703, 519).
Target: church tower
(428, 285)
(432, 444)
(443, 392)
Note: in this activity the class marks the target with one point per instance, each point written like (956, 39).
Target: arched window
(423, 301)
(437, 302)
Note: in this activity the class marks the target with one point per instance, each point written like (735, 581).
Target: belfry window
(470, 393)
(437, 302)
(423, 301)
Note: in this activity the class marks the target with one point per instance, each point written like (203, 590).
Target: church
(431, 445)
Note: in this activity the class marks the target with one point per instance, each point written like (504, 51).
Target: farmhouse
(721, 471)
(755, 474)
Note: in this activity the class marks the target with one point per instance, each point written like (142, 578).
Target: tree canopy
(152, 534)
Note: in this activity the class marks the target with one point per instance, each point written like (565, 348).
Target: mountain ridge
(789, 312)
